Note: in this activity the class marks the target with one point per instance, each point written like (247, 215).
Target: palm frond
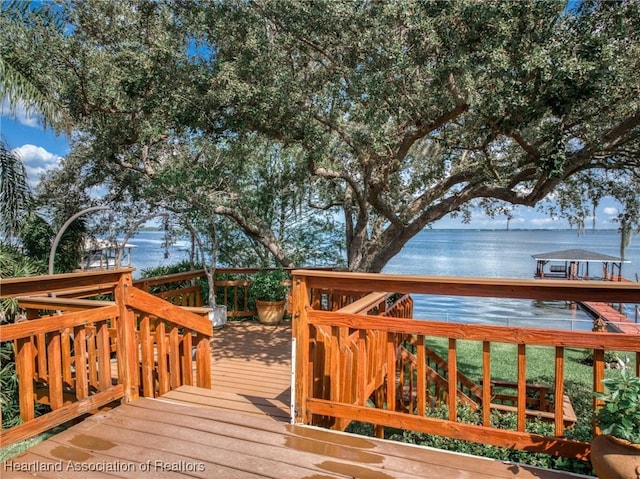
(15, 195)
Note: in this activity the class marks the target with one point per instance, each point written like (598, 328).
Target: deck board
(231, 402)
(240, 429)
(253, 360)
(212, 442)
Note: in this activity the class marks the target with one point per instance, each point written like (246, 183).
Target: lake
(485, 253)
(501, 254)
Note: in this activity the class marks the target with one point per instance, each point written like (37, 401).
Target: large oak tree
(399, 113)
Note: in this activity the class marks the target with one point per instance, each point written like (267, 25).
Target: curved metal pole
(54, 246)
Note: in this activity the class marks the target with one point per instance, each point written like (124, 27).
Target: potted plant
(268, 292)
(615, 454)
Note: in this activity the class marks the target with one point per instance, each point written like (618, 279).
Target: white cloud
(37, 161)
(19, 113)
(610, 210)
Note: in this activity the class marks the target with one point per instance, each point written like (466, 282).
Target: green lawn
(504, 361)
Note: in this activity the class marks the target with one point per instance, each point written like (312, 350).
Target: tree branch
(423, 130)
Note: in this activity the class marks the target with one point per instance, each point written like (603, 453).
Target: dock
(617, 321)
(239, 429)
(573, 264)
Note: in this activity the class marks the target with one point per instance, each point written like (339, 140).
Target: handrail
(169, 278)
(366, 303)
(45, 325)
(65, 360)
(330, 365)
(60, 304)
(541, 289)
(32, 285)
(528, 336)
(147, 303)
(197, 273)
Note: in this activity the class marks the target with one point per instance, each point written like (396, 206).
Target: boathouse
(578, 264)
(100, 254)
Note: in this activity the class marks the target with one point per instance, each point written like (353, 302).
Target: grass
(540, 361)
(19, 447)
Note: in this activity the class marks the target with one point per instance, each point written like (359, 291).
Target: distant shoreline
(586, 231)
(462, 228)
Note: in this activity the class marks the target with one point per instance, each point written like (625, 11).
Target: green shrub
(587, 359)
(12, 264)
(268, 285)
(620, 413)
(181, 267)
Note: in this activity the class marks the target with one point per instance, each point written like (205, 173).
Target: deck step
(221, 400)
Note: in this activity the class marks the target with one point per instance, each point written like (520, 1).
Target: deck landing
(179, 436)
(253, 360)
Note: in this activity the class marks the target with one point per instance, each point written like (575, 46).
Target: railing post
(452, 390)
(558, 393)
(203, 362)
(127, 350)
(598, 387)
(300, 327)
(361, 368)
(522, 387)
(486, 383)
(25, 370)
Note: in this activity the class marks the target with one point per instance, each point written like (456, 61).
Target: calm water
(501, 254)
(487, 253)
(150, 251)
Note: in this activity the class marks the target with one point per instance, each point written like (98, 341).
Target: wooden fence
(231, 288)
(187, 289)
(75, 355)
(352, 365)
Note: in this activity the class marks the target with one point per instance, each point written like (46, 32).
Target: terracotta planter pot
(614, 458)
(270, 312)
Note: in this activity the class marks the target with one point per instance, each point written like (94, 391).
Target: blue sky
(42, 149)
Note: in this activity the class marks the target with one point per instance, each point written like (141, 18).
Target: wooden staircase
(469, 393)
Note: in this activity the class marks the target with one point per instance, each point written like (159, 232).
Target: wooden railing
(76, 355)
(336, 371)
(231, 288)
(182, 289)
(327, 356)
(178, 288)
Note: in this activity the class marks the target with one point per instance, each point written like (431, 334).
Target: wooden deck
(239, 429)
(182, 435)
(254, 362)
